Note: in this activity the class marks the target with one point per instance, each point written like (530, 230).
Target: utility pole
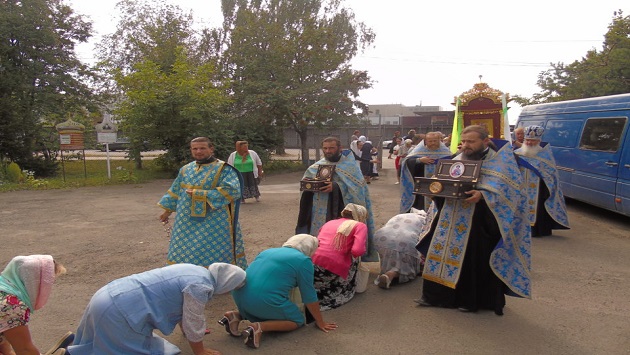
(380, 143)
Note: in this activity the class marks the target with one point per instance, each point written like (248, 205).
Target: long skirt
(333, 290)
(396, 245)
(104, 330)
(250, 188)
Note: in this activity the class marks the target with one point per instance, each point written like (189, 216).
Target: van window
(524, 123)
(562, 133)
(602, 133)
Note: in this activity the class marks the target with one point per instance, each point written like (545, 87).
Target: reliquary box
(451, 179)
(324, 174)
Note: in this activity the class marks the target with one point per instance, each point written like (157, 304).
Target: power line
(498, 64)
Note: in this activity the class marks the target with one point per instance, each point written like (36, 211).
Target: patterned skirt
(396, 245)
(13, 312)
(333, 290)
(250, 188)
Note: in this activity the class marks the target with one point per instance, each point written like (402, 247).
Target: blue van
(590, 139)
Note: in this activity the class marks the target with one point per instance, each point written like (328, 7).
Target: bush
(42, 166)
(14, 173)
(283, 166)
(126, 176)
(164, 164)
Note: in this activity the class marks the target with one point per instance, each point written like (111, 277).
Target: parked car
(387, 144)
(120, 144)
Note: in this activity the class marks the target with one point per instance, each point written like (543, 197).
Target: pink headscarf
(30, 278)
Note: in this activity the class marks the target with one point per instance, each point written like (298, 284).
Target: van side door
(623, 181)
(595, 177)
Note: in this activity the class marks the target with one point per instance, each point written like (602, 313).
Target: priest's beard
(334, 158)
(531, 151)
(475, 155)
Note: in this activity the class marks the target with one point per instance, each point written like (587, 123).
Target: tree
(288, 63)
(146, 31)
(598, 73)
(41, 79)
(172, 106)
(147, 59)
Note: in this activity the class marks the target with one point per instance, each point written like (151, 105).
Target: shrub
(14, 173)
(283, 166)
(126, 176)
(42, 166)
(164, 164)
(31, 181)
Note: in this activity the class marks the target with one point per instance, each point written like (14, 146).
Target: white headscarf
(363, 139)
(226, 277)
(355, 149)
(305, 243)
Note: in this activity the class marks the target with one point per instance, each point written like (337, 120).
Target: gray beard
(531, 151)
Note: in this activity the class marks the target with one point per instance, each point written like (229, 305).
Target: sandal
(230, 321)
(252, 335)
(65, 341)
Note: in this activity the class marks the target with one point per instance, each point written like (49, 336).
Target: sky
(428, 52)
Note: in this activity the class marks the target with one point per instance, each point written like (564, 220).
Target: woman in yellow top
(248, 163)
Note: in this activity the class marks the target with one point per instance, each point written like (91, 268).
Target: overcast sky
(428, 52)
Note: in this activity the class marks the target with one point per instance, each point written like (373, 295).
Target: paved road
(580, 299)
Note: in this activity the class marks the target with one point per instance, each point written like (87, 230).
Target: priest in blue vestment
(206, 198)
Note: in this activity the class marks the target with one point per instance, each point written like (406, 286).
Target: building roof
(394, 110)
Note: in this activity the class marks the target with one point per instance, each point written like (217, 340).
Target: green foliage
(41, 79)
(283, 166)
(288, 64)
(126, 176)
(31, 181)
(146, 31)
(14, 173)
(122, 171)
(171, 107)
(168, 93)
(164, 164)
(598, 73)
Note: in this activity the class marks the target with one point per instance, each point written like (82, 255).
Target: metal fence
(375, 133)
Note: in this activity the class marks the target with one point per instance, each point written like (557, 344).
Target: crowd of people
(470, 252)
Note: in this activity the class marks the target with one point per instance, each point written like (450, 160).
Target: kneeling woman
(122, 315)
(264, 300)
(25, 285)
(341, 242)
(396, 246)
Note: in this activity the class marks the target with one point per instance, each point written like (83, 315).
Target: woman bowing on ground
(341, 242)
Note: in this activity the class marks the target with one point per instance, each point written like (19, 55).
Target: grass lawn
(94, 173)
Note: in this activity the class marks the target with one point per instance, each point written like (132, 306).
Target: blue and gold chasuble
(406, 178)
(545, 167)
(353, 188)
(206, 226)
(501, 185)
